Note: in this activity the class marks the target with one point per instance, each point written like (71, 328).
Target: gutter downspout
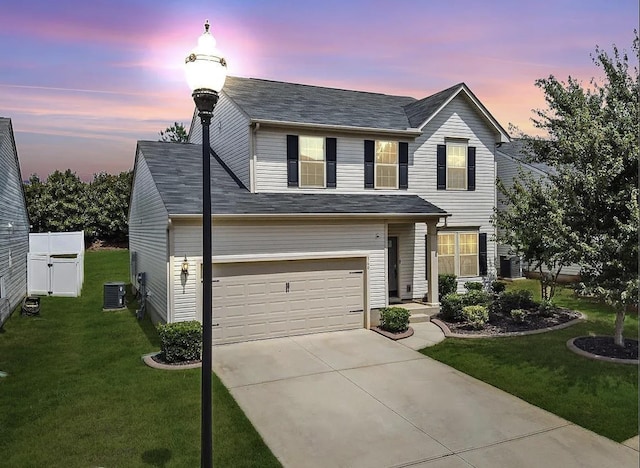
(253, 159)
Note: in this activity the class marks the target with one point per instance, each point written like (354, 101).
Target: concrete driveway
(357, 399)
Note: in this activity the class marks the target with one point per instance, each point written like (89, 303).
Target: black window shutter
(292, 160)
(471, 168)
(403, 167)
(331, 154)
(442, 167)
(482, 253)
(369, 156)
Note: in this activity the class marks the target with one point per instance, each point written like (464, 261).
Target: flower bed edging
(597, 357)
(149, 361)
(394, 336)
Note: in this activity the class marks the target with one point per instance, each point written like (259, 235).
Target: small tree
(176, 133)
(533, 226)
(108, 206)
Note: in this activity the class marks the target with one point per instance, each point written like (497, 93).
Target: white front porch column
(432, 264)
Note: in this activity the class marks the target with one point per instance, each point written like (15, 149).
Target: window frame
(376, 164)
(301, 162)
(465, 146)
(457, 255)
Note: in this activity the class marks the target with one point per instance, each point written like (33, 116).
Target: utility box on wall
(114, 295)
(510, 267)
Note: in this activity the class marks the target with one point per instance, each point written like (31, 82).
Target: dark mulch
(500, 324)
(604, 346)
(160, 359)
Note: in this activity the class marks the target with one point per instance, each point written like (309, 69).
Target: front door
(392, 265)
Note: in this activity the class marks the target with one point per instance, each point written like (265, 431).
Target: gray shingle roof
(515, 149)
(291, 102)
(176, 169)
(419, 111)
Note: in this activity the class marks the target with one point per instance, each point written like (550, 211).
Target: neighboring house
(510, 157)
(328, 205)
(14, 225)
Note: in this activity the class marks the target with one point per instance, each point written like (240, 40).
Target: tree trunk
(618, 338)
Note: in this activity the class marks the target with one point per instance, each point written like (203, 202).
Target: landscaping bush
(509, 300)
(447, 284)
(476, 297)
(475, 315)
(473, 286)
(497, 287)
(451, 307)
(181, 341)
(518, 315)
(394, 319)
(546, 308)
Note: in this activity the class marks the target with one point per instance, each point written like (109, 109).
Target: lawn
(78, 395)
(599, 396)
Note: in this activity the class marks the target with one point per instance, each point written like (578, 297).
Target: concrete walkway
(357, 399)
(425, 334)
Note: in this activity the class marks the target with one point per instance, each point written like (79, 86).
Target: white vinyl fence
(56, 264)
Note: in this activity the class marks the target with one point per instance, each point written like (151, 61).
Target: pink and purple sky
(84, 80)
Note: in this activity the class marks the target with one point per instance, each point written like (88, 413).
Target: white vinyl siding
(229, 137)
(311, 162)
(291, 239)
(148, 221)
(386, 165)
(14, 221)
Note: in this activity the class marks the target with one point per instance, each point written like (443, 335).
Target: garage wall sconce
(185, 266)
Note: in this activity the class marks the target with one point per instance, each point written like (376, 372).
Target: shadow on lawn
(157, 457)
(145, 323)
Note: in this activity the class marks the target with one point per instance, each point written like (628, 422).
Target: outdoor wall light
(185, 266)
(206, 72)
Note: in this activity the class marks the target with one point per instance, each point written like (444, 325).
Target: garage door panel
(257, 306)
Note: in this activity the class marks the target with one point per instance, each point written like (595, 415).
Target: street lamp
(206, 72)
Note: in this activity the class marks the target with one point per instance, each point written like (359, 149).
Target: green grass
(599, 396)
(78, 394)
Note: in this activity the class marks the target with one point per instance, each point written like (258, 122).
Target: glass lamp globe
(204, 66)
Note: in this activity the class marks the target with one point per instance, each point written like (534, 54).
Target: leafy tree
(175, 133)
(58, 204)
(108, 206)
(592, 145)
(533, 225)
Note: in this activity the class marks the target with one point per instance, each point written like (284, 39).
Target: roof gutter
(275, 216)
(407, 133)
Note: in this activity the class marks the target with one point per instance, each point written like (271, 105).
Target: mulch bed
(159, 358)
(504, 324)
(604, 346)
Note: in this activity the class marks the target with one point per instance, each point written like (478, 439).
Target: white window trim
(376, 164)
(456, 255)
(324, 163)
(464, 144)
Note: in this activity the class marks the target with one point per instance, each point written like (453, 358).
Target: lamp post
(206, 72)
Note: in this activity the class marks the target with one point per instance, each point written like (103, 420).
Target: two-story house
(328, 204)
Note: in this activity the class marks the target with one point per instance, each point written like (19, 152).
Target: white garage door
(273, 299)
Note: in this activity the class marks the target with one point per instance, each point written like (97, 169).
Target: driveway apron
(357, 399)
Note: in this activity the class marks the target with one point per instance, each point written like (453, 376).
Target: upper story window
(456, 166)
(312, 161)
(386, 165)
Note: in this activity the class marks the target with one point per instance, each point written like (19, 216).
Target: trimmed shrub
(497, 287)
(517, 299)
(473, 286)
(451, 307)
(518, 315)
(475, 315)
(181, 341)
(476, 297)
(546, 309)
(447, 284)
(394, 319)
